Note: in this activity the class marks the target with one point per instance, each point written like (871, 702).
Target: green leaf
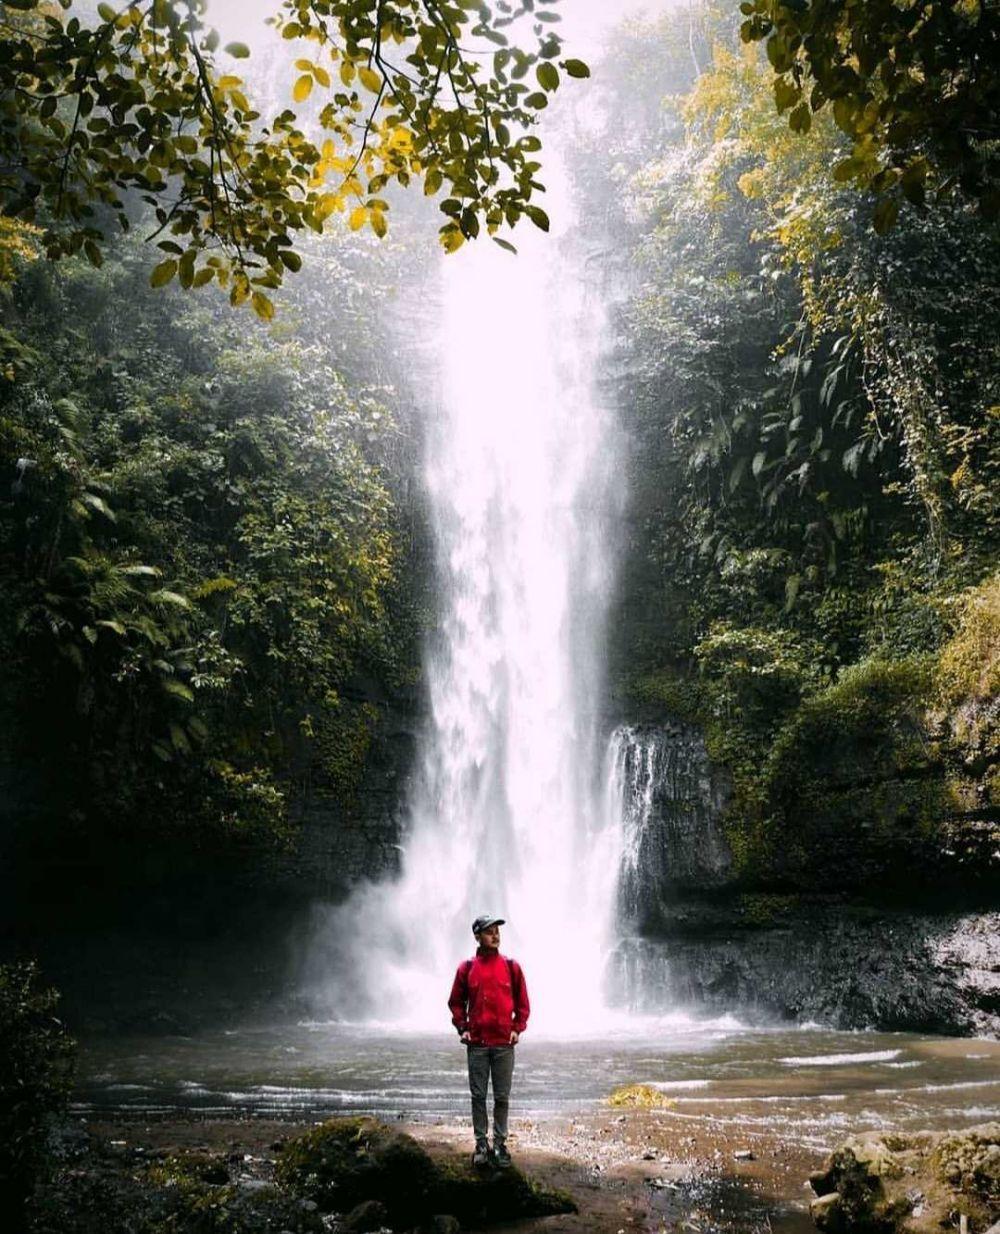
(163, 596)
(548, 75)
(163, 273)
(239, 51)
(885, 214)
(179, 740)
(800, 121)
(504, 244)
(370, 79)
(843, 115)
(576, 68)
(262, 306)
(786, 93)
(98, 504)
(846, 169)
(538, 217)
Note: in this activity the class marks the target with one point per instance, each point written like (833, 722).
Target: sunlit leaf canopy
(913, 83)
(98, 114)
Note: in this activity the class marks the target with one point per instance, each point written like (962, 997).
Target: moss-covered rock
(920, 1183)
(191, 1165)
(189, 1193)
(477, 1199)
(639, 1097)
(345, 1162)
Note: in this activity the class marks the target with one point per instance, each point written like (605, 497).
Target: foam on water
(840, 1060)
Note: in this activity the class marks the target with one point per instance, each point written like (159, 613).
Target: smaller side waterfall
(670, 800)
(635, 766)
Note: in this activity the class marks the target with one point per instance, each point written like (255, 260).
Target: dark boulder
(365, 1217)
(345, 1162)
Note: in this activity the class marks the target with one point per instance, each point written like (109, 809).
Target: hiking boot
(501, 1157)
(481, 1156)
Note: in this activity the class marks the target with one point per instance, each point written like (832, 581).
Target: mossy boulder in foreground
(919, 1183)
(345, 1162)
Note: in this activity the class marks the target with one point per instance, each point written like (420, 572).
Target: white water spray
(510, 813)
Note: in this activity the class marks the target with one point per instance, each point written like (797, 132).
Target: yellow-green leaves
(370, 79)
(148, 114)
(262, 306)
(538, 217)
(163, 273)
(800, 121)
(548, 75)
(885, 214)
(897, 79)
(451, 238)
(312, 71)
(786, 93)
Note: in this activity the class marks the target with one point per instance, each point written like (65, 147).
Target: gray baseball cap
(484, 923)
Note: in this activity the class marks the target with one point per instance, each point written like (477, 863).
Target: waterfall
(635, 770)
(671, 802)
(509, 812)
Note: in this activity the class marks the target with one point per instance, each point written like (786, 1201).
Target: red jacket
(489, 999)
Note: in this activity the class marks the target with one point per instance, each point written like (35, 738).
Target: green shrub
(969, 667)
(968, 688)
(854, 772)
(868, 721)
(761, 673)
(36, 1066)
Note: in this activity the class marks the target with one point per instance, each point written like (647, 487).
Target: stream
(812, 1086)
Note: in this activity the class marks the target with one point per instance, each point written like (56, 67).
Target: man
(489, 1007)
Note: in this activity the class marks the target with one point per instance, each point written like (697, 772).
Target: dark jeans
(486, 1061)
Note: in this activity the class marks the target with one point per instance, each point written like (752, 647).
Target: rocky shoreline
(614, 1171)
(619, 1171)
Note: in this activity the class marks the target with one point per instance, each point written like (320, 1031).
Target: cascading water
(635, 768)
(509, 813)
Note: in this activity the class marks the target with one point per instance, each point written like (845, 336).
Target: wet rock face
(343, 841)
(910, 1184)
(673, 803)
(849, 967)
(700, 932)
